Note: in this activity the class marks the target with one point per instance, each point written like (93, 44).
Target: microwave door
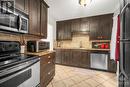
(14, 22)
(9, 22)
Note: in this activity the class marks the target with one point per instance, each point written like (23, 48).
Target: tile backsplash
(76, 42)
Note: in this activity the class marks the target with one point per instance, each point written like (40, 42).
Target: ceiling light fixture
(84, 2)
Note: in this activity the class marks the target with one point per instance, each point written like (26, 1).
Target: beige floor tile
(82, 84)
(111, 81)
(92, 82)
(105, 77)
(55, 79)
(58, 84)
(68, 82)
(108, 84)
(100, 86)
(78, 77)
(98, 79)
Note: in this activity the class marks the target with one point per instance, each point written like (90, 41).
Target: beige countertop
(90, 49)
(40, 53)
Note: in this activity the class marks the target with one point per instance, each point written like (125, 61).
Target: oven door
(9, 22)
(28, 76)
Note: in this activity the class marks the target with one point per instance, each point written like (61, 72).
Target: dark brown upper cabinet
(22, 5)
(38, 18)
(101, 27)
(43, 17)
(80, 26)
(84, 25)
(34, 16)
(64, 30)
(76, 25)
(98, 27)
(94, 27)
(105, 26)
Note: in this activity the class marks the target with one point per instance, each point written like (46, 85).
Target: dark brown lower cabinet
(47, 69)
(58, 56)
(73, 57)
(76, 57)
(79, 58)
(66, 56)
(85, 59)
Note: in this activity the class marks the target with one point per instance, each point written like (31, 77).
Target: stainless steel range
(18, 70)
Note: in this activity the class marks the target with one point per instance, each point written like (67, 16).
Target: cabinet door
(58, 56)
(84, 25)
(76, 55)
(43, 20)
(60, 30)
(94, 28)
(105, 26)
(85, 59)
(64, 30)
(22, 5)
(76, 25)
(101, 27)
(67, 30)
(66, 57)
(34, 16)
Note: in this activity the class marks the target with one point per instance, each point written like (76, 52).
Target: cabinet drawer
(47, 78)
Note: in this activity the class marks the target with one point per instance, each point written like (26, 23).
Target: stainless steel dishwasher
(99, 60)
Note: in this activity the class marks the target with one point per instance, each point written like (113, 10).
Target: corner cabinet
(64, 30)
(22, 5)
(38, 18)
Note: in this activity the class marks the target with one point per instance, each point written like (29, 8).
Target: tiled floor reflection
(78, 77)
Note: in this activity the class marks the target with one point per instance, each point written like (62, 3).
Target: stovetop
(8, 59)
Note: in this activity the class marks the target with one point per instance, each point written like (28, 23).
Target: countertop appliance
(18, 70)
(37, 46)
(99, 60)
(16, 22)
(124, 61)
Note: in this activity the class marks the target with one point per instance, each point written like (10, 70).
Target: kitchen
(64, 43)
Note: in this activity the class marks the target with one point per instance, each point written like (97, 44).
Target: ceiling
(70, 9)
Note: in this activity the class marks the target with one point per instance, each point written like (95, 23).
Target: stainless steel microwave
(37, 46)
(16, 22)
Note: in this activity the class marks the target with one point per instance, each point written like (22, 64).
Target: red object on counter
(103, 46)
(106, 46)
